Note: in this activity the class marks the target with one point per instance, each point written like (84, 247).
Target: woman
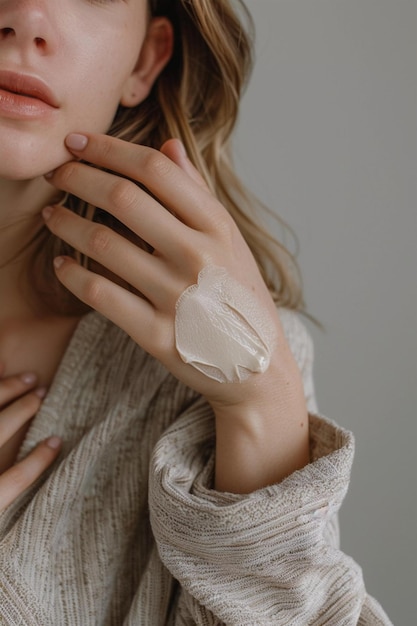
(173, 481)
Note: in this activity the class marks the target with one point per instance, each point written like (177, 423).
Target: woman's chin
(25, 169)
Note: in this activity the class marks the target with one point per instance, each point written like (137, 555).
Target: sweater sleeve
(268, 558)
(259, 559)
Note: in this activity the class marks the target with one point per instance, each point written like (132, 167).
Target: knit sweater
(125, 528)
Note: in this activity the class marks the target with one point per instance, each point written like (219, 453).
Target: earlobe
(155, 53)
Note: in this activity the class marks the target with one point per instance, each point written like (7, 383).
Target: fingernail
(49, 175)
(76, 141)
(58, 262)
(41, 392)
(54, 442)
(28, 378)
(47, 212)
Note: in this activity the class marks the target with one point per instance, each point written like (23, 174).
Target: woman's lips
(24, 96)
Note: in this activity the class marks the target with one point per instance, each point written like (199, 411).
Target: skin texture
(91, 56)
(88, 52)
(262, 431)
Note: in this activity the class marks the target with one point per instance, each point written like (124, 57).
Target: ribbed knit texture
(125, 530)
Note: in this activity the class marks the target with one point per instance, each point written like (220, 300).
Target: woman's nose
(27, 25)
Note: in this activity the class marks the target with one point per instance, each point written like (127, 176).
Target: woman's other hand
(19, 402)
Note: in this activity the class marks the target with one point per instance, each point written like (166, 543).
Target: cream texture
(126, 530)
(221, 330)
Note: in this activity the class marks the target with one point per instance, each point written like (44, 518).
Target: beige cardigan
(125, 530)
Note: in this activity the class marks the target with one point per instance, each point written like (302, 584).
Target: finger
(14, 386)
(152, 330)
(123, 199)
(174, 149)
(145, 272)
(19, 477)
(16, 414)
(172, 186)
(134, 315)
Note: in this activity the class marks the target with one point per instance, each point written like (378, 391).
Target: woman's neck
(32, 337)
(20, 221)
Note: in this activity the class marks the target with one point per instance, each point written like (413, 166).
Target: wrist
(262, 439)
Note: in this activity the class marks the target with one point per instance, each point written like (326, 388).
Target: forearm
(256, 559)
(260, 444)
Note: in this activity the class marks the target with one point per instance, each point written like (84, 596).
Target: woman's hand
(188, 230)
(19, 402)
(185, 225)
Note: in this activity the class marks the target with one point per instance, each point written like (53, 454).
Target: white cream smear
(220, 328)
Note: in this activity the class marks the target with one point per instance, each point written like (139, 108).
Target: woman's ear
(155, 53)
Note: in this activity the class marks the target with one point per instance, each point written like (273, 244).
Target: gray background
(327, 138)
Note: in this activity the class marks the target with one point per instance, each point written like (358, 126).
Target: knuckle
(99, 240)
(156, 163)
(93, 292)
(123, 195)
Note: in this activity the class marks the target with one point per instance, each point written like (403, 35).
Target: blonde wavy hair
(196, 98)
